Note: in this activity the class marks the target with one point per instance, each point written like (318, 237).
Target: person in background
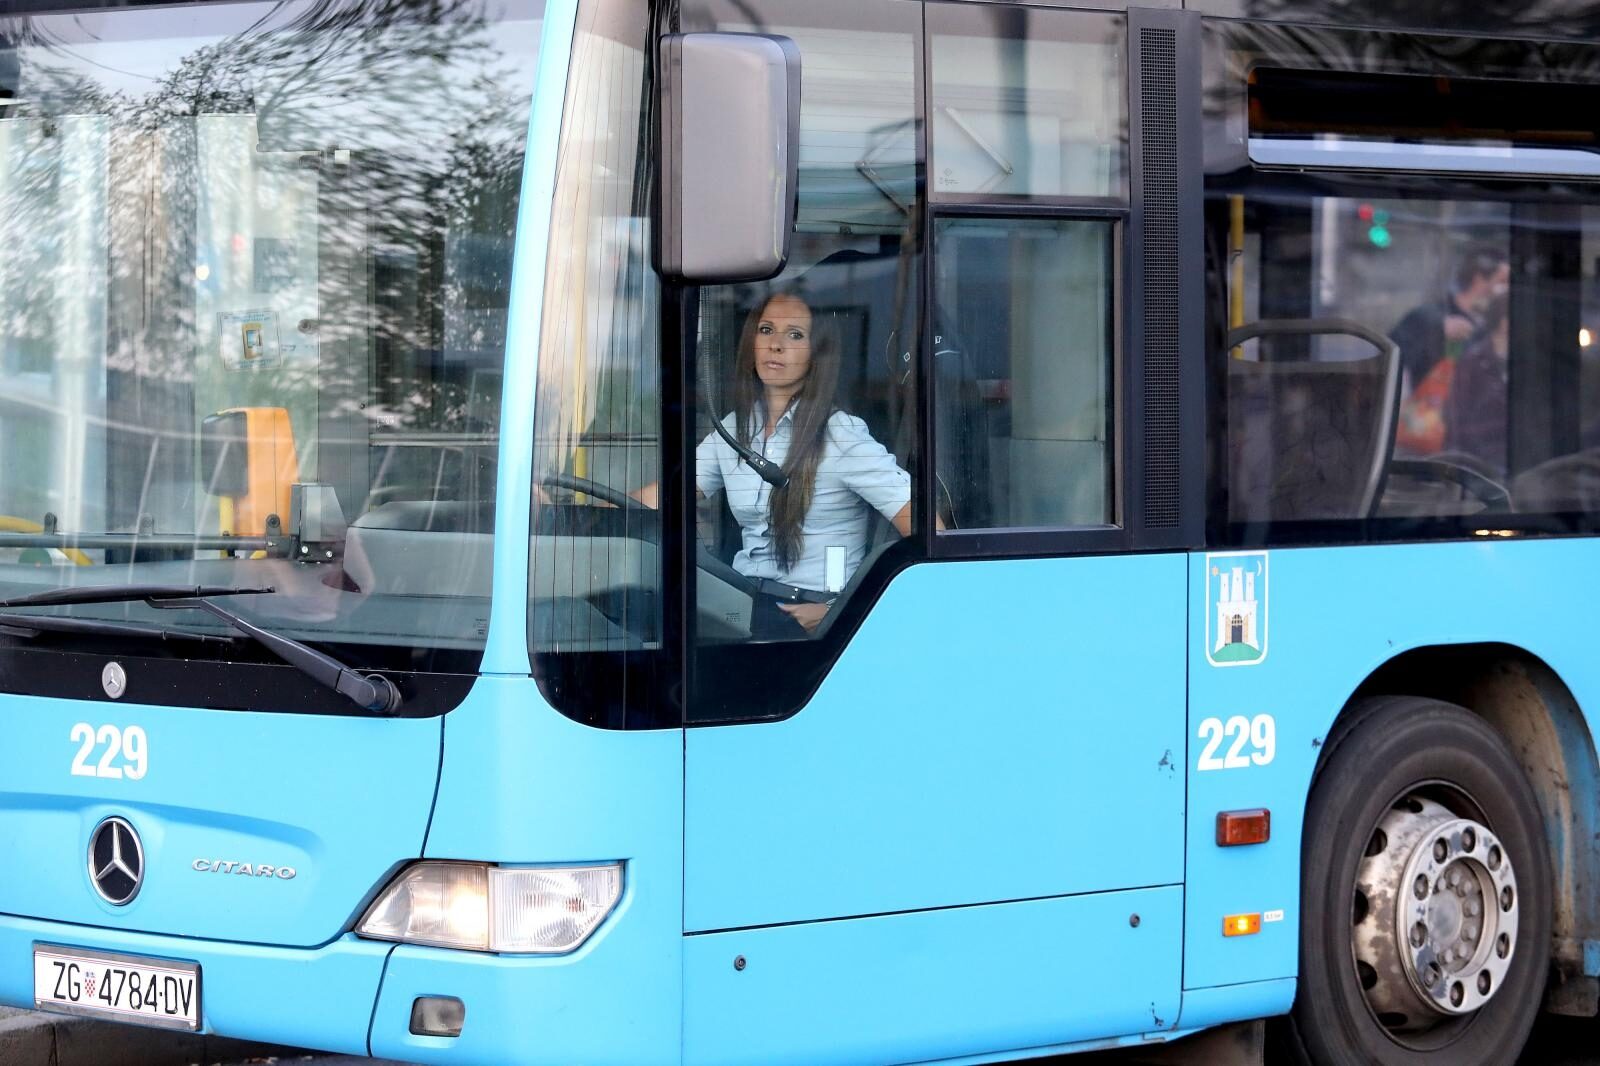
(1432, 336)
(1429, 332)
(1475, 418)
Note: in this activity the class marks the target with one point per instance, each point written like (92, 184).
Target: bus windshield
(253, 310)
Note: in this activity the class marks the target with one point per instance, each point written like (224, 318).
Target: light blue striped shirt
(854, 473)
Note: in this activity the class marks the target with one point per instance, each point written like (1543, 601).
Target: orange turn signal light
(1243, 827)
(1241, 925)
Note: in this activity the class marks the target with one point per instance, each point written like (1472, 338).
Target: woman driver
(784, 411)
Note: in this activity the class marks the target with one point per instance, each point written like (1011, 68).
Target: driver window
(804, 413)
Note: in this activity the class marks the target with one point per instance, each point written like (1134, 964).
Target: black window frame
(1092, 538)
(1134, 443)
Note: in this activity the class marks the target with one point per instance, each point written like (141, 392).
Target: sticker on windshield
(1236, 622)
(249, 339)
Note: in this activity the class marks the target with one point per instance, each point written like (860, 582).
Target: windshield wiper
(373, 692)
(125, 594)
(31, 625)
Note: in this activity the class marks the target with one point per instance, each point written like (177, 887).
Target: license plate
(159, 992)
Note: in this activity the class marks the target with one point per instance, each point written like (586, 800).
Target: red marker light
(1235, 828)
(1366, 212)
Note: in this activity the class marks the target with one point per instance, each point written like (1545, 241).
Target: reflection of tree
(409, 115)
(1337, 35)
(1512, 18)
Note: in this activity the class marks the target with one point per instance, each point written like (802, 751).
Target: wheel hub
(1435, 916)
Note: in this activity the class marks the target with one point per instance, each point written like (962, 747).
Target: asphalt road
(1556, 1041)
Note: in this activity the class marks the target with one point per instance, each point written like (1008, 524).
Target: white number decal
(83, 733)
(1208, 757)
(133, 746)
(1258, 734)
(111, 737)
(1263, 735)
(1238, 728)
(126, 751)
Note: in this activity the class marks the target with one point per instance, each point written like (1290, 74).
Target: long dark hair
(813, 405)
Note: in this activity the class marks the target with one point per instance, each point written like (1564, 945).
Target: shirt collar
(761, 416)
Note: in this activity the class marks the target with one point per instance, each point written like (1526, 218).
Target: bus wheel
(1425, 895)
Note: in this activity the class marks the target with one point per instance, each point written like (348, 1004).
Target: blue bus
(769, 531)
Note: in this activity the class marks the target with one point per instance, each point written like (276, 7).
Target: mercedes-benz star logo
(116, 861)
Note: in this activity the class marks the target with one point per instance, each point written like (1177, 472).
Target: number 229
(126, 754)
(1258, 734)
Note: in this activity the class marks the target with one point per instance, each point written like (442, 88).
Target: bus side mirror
(730, 145)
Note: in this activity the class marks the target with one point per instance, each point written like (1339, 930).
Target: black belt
(791, 594)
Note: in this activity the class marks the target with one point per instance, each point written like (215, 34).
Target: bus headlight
(477, 907)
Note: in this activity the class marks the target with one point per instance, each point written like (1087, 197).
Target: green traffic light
(1379, 236)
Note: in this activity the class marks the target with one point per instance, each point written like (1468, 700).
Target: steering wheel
(703, 557)
(707, 565)
(604, 493)
(1480, 487)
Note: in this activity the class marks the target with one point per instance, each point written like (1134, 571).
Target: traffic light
(1377, 220)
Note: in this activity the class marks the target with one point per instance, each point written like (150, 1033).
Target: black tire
(1388, 748)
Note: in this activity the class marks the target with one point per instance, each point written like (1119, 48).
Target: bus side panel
(524, 785)
(997, 730)
(1332, 616)
(935, 984)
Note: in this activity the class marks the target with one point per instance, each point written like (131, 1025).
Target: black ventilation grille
(1158, 147)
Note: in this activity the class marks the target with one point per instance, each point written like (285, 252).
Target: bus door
(936, 744)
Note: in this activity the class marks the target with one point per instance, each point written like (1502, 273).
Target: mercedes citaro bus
(1160, 596)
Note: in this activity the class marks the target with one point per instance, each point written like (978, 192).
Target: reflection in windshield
(253, 307)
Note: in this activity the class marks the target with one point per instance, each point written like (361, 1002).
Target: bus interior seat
(858, 288)
(718, 530)
(1307, 438)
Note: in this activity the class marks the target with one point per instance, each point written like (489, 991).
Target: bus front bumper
(609, 1001)
(304, 997)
